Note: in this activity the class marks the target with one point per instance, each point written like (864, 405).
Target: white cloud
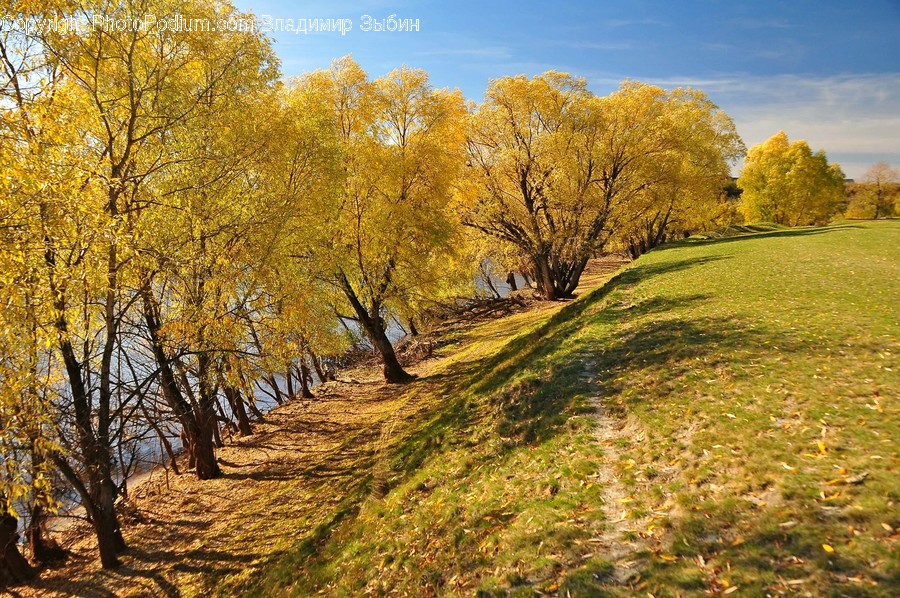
(854, 118)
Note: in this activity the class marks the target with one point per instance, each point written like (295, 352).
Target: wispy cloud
(854, 118)
(619, 23)
(757, 23)
(492, 52)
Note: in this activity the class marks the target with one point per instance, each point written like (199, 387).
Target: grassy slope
(754, 377)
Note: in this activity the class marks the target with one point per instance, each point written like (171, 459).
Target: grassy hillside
(721, 416)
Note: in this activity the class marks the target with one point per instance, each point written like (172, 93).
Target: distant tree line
(876, 195)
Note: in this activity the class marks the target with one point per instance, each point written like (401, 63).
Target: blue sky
(826, 71)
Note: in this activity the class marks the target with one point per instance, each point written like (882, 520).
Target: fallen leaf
(828, 547)
(858, 479)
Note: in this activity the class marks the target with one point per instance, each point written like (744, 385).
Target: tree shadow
(786, 233)
(533, 407)
(526, 390)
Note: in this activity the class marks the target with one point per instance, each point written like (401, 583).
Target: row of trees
(560, 174)
(182, 231)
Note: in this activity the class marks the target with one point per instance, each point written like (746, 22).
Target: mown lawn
(756, 380)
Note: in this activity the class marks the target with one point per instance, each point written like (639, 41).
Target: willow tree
(787, 183)
(206, 230)
(62, 219)
(387, 236)
(26, 415)
(683, 186)
(557, 171)
(526, 144)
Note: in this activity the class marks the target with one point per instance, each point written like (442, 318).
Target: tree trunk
(393, 371)
(289, 381)
(236, 401)
(186, 445)
(373, 325)
(545, 282)
(109, 534)
(106, 525)
(305, 392)
(204, 445)
(203, 449)
(276, 391)
(44, 549)
(251, 405)
(574, 277)
(102, 490)
(317, 365)
(196, 438)
(13, 566)
(218, 441)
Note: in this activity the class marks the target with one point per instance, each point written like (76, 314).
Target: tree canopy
(877, 195)
(559, 172)
(387, 239)
(787, 183)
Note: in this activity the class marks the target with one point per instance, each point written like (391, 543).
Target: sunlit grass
(759, 378)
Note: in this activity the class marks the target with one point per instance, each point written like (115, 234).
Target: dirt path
(297, 466)
(627, 539)
(620, 542)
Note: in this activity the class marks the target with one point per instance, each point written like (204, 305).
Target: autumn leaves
(180, 228)
(561, 175)
(787, 183)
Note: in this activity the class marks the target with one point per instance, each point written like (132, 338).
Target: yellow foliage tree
(682, 187)
(559, 173)
(788, 184)
(94, 115)
(387, 235)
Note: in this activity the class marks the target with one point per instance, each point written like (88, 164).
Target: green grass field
(753, 384)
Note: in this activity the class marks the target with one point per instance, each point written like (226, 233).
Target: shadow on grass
(785, 233)
(283, 570)
(529, 389)
(524, 393)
